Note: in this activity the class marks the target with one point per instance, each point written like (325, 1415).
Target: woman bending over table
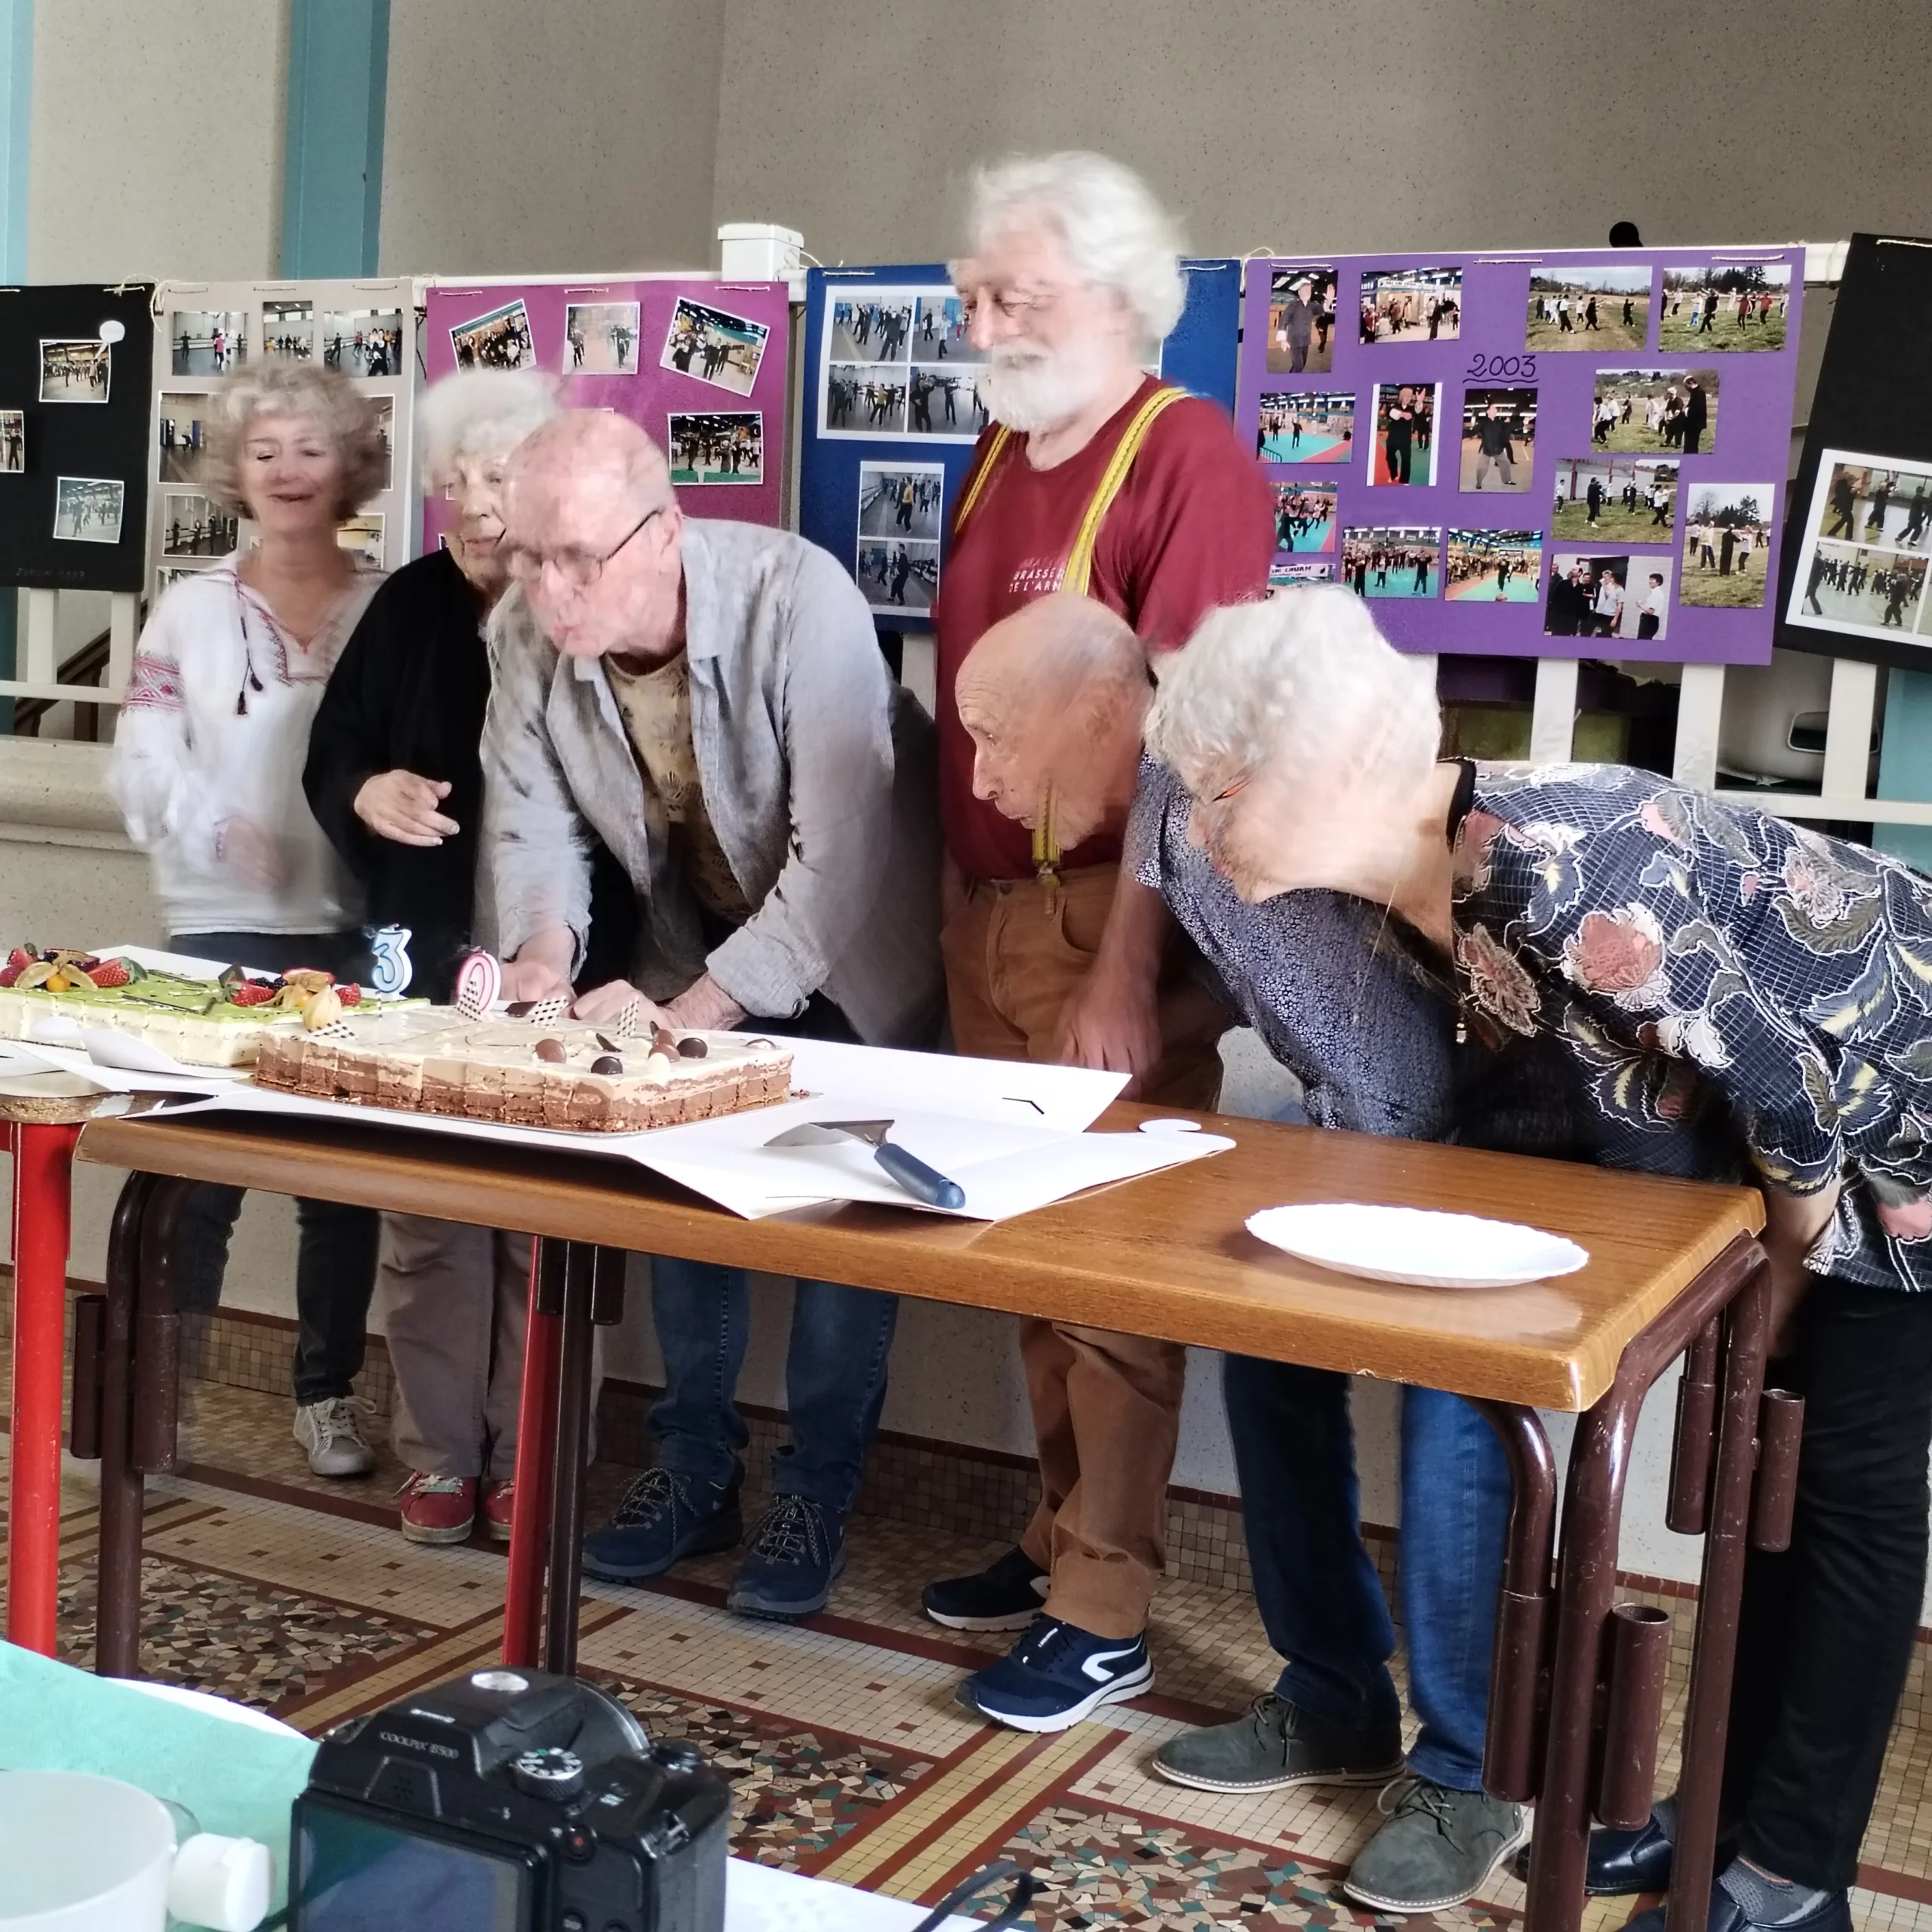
(207, 771)
(395, 777)
(1743, 999)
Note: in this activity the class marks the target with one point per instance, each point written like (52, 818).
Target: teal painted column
(16, 129)
(1905, 764)
(338, 86)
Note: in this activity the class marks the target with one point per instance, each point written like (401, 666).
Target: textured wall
(574, 135)
(157, 139)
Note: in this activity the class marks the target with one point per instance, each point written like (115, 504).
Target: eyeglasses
(1012, 304)
(578, 568)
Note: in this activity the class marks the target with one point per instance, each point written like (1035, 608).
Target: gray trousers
(455, 1300)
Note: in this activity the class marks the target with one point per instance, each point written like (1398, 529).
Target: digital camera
(507, 1801)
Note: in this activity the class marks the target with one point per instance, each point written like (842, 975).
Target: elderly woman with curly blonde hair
(208, 772)
(1736, 997)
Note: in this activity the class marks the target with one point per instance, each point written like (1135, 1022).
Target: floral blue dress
(1724, 980)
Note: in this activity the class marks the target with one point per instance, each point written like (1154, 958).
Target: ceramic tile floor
(846, 1752)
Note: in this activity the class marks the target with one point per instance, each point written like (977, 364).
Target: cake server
(920, 1182)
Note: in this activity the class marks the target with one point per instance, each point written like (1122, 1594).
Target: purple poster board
(1575, 453)
(700, 364)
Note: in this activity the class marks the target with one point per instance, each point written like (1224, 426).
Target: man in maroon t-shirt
(1096, 478)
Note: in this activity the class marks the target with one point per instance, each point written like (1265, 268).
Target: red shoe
(499, 1498)
(437, 1509)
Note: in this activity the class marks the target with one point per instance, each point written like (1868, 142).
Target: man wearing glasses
(1098, 479)
(710, 698)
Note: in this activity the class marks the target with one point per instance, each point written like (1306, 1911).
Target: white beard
(1029, 389)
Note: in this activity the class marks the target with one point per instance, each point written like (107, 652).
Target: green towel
(237, 1781)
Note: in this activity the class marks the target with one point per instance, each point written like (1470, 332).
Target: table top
(1167, 1254)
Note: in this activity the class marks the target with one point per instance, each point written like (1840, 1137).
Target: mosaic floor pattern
(847, 1755)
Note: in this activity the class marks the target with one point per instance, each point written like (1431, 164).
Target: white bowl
(1422, 1247)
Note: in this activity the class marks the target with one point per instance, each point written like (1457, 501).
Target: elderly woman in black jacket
(394, 777)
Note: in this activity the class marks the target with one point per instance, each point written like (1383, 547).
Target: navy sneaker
(797, 1549)
(1005, 1595)
(662, 1519)
(1056, 1674)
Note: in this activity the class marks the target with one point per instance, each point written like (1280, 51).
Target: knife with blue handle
(920, 1182)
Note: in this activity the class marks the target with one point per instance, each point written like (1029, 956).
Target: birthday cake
(526, 1073)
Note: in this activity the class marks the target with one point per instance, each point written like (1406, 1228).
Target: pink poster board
(701, 365)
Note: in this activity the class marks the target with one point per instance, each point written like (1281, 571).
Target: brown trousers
(1106, 1407)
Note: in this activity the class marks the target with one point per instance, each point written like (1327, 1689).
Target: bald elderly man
(1054, 698)
(709, 698)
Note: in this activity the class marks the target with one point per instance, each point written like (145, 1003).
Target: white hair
(479, 412)
(1306, 678)
(1117, 235)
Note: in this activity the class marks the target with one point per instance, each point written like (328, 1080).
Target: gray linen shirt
(819, 775)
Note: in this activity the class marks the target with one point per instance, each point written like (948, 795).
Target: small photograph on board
(1307, 426)
(1499, 438)
(167, 575)
(1846, 587)
(183, 431)
(499, 339)
(191, 526)
(385, 431)
(900, 579)
(1286, 574)
(1411, 305)
(1620, 596)
(939, 330)
(1724, 306)
(87, 509)
(1494, 566)
(1389, 560)
(1301, 321)
(363, 342)
(1867, 502)
(1405, 416)
(943, 401)
(724, 447)
(1655, 409)
(206, 342)
(714, 345)
(1588, 308)
(289, 330)
(1304, 516)
(866, 399)
(600, 338)
(81, 371)
(12, 441)
(362, 536)
(901, 499)
(1727, 544)
(1617, 498)
(874, 328)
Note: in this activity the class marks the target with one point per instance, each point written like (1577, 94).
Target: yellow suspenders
(1078, 575)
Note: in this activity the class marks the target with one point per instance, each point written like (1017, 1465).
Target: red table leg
(536, 1451)
(43, 1157)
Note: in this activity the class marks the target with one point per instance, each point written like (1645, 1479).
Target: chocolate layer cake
(434, 1060)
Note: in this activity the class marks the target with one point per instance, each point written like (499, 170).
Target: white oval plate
(1422, 1247)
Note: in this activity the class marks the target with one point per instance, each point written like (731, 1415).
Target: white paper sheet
(760, 1898)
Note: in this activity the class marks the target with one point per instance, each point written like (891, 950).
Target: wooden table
(1674, 1267)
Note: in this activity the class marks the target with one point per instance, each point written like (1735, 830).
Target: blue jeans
(1315, 1585)
(834, 1379)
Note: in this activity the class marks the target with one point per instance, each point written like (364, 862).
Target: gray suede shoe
(1274, 1744)
(1437, 1849)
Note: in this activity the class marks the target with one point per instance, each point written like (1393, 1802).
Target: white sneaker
(332, 1432)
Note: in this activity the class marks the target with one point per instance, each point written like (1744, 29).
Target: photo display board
(75, 363)
(1854, 582)
(891, 415)
(700, 364)
(1575, 453)
(209, 334)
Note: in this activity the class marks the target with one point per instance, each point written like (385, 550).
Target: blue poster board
(1201, 354)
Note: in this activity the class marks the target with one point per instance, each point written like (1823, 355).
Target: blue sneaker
(797, 1549)
(1056, 1674)
(662, 1519)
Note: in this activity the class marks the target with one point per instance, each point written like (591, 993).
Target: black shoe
(1005, 1595)
(798, 1548)
(1832, 1913)
(1623, 1863)
(662, 1519)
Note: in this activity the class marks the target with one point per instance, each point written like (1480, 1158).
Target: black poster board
(1856, 580)
(73, 515)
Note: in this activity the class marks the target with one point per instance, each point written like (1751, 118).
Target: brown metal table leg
(117, 1570)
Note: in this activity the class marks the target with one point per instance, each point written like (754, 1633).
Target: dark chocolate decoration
(609, 1045)
(554, 1051)
(692, 1048)
(607, 1063)
(518, 1009)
